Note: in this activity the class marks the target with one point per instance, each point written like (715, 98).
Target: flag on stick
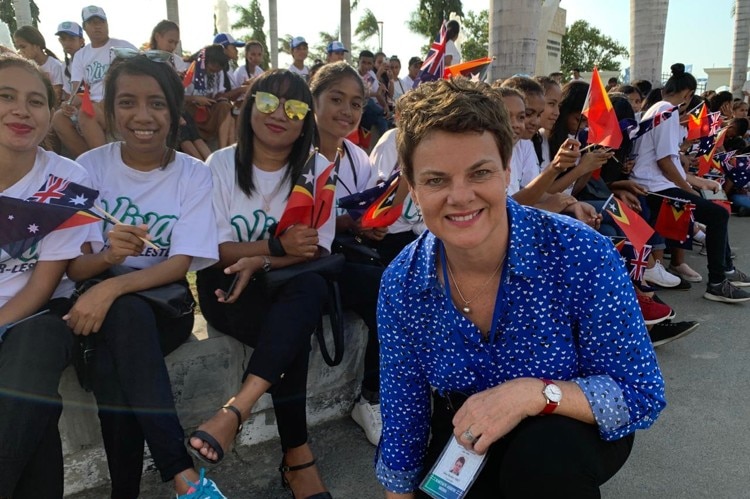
(325, 190)
(475, 70)
(674, 219)
(635, 260)
(301, 203)
(698, 123)
(386, 209)
(604, 128)
(635, 228)
(738, 170)
(434, 64)
(87, 106)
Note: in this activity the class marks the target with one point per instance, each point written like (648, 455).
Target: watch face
(553, 393)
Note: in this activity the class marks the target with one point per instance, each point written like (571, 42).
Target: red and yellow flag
(698, 123)
(604, 128)
(674, 218)
(325, 190)
(86, 105)
(635, 228)
(301, 203)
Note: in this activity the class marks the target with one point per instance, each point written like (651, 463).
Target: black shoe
(670, 331)
(683, 286)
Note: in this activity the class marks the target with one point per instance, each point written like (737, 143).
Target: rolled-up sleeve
(619, 373)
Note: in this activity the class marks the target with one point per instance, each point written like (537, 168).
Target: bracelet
(275, 246)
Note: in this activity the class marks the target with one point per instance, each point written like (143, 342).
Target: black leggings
(134, 394)
(544, 456)
(278, 328)
(33, 356)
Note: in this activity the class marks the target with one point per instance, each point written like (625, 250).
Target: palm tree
(368, 26)
(648, 23)
(513, 36)
(740, 45)
(273, 32)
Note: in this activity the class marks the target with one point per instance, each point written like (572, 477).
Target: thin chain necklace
(267, 199)
(466, 308)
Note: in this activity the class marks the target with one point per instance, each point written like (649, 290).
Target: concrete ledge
(205, 371)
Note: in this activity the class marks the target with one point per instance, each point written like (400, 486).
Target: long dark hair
(571, 101)
(680, 80)
(34, 37)
(164, 75)
(287, 85)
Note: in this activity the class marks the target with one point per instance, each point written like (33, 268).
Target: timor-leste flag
(674, 218)
(325, 190)
(604, 128)
(301, 202)
(87, 106)
(698, 123)
(474, 70)
(386, 209)
(706, 162)
(635, 228)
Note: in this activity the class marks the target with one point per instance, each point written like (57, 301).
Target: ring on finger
(469, 436)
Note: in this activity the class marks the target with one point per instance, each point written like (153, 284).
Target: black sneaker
(738, 278)
(670, 331)
(726, 292)
(683, 286)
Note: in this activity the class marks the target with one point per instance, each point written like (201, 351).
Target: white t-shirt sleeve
(77, 64)
(54, 70)
(221, 164)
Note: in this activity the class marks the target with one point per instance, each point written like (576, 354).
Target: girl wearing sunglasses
(252, 183)
(161, 196)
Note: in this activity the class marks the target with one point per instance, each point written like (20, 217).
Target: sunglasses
(151, 55)
(267, 103)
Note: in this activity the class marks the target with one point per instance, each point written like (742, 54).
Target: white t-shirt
(179, 64)
(54, 70)
(451, 49)
(523, 164)
(243, 219)
(370, 79)
(304, 72)
(216, 87)
(91, 65)
(384, 159)
(175, 203)
(660, 142)
(240, 74)
(62, 244)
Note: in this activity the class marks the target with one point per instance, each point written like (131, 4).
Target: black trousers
(360, 284)
(33, 356)
(278, 327)
(716, 220)
(134, 394)
(544, 456)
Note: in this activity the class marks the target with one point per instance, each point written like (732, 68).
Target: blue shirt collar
(527, 247)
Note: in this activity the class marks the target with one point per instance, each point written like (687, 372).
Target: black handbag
(174, 299)
(330, 267)
(355, 250)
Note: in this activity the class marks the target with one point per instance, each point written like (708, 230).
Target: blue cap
(69, 28)
(336, 46)
(225, 39)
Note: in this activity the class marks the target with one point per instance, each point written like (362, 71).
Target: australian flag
(635, 261)
(738, 170)
(434, 64)
(356, 204)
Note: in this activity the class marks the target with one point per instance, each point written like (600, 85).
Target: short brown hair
(455, 106)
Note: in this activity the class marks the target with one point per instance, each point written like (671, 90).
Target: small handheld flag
(635, 228)
(434, 64)
(301, 203)
(604, 128)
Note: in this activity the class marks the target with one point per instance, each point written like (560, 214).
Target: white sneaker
(367, 416)
(659, 275)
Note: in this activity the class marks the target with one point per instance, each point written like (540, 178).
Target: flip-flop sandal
(211, 441)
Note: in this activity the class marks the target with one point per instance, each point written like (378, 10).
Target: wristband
(275, 246)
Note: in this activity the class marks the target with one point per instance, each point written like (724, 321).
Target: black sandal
(284, 469)
(211, 441)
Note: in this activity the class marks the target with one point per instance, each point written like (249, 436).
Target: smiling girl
(165, 195)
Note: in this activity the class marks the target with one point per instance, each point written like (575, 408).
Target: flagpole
(115, 221)
(667, 197)
(604, 206)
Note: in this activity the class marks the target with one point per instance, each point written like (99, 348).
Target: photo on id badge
(453, 473)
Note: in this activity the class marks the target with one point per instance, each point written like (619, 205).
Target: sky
(699, 32)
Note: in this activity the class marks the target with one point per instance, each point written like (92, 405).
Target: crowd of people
(498, 311)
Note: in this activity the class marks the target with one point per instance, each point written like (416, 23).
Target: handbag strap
(336, 317)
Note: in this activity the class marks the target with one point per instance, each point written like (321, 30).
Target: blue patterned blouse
(568, 312)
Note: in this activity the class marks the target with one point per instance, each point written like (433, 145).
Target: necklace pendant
(466, 310)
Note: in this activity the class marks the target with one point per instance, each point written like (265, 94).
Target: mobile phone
(231, 287)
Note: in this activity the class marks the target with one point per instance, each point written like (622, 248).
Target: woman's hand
(301, 241)
(88, 313)
(125, 241)
(630, 199)
(704, 183)
(246, 267)
(595, 159)
(585, 213)
(566, 156)
(629, 185)
(491, 414)
(68, 110)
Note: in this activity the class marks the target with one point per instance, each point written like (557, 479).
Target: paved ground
(698, 448)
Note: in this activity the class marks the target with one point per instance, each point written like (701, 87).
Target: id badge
(453, 473)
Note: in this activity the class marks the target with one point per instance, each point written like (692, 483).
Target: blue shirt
(567, 311)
